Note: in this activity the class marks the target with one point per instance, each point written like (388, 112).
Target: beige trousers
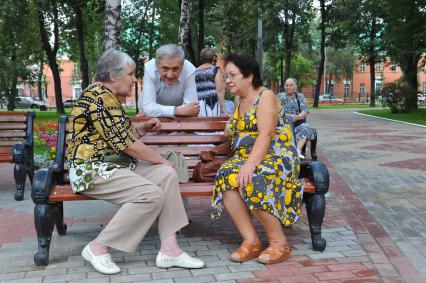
(148, 192)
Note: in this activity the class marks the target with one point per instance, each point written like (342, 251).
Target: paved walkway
(374, 226)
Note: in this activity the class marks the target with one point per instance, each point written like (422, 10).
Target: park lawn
(415, 117)
(340, 106)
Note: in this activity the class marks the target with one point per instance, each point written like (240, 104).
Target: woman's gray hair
(113, 62)
(207, 55)
(294, 81)
(170, 51)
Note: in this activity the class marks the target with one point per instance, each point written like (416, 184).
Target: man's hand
(151, 125)
(189, 110)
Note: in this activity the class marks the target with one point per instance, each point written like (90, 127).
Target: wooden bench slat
(17, 119)
(182, 119)
(6, 150)
(64, 192)
(186, 126)
(5, 158)
(13, 135)
(183, 139)
(7, 143)
(187, 150)
(13, 126)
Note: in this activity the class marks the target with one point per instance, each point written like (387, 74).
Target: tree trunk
(151, 35)
(184, 26)
(410, 79)
(289, 38)
(322, 51)
(79, 25)
(282, 73)
(200, 28)
(191, 52)
(14, 81)
(40, 78)
(51, 52)
(329, 83)
(372, 61)
(112, 24)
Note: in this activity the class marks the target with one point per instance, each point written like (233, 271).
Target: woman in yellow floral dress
(262, 176)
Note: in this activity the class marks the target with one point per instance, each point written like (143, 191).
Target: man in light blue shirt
(169, 88)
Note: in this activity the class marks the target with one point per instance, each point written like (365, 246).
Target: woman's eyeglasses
(230, 76)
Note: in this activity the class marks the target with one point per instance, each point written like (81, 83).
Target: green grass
(416, 117)
(340, 106)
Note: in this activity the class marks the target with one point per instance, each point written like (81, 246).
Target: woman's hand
(245, 175)
(152, 125)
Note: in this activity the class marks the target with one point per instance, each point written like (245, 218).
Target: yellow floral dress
(275, 187)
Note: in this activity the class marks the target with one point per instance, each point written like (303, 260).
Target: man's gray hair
(170, 51)
(113, 62)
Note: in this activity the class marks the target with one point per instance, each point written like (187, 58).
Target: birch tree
(112, 23)
(184, 26)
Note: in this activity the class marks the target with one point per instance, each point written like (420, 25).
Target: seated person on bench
(295, 106)
(261, 178)
(169, 88)
(103, 148)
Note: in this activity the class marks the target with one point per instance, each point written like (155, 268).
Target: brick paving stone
(195, 279)
(326, 276)
(306, 278)
(234, 276)
(210, 270)
(171, 274)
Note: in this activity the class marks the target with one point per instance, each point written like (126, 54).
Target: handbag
(206, 169)
(180, 165)
(299, 122)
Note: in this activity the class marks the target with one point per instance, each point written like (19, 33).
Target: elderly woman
(103, 149)
(261, 177)
(295, 106)
(210, 88)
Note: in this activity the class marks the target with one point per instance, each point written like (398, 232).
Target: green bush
(393, 96)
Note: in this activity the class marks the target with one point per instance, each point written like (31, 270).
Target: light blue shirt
(159, 99)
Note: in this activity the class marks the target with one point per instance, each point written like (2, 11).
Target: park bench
(51, 185)
(16, 146)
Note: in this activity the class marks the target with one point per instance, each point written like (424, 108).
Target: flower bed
(45, 138)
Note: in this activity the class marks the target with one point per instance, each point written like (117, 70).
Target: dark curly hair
(247, 65)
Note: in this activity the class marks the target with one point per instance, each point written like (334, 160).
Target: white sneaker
(183, 260)
(301, 156)
(102, 263)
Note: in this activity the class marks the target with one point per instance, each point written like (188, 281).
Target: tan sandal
(276, 254)
(247, 251)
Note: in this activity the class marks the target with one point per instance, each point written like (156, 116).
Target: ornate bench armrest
(44, 178)
(318, 173)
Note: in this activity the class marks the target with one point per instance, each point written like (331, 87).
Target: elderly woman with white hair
(295, 106)
(108, 161)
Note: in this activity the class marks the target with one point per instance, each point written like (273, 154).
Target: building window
(77, 92)
(362, 67)
(378, 67)
(393, 68)
(362, 89)
(347, 88)
(378, 86)
(424, 88)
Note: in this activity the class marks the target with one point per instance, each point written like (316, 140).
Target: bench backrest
(15, 126)
(186, 135)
